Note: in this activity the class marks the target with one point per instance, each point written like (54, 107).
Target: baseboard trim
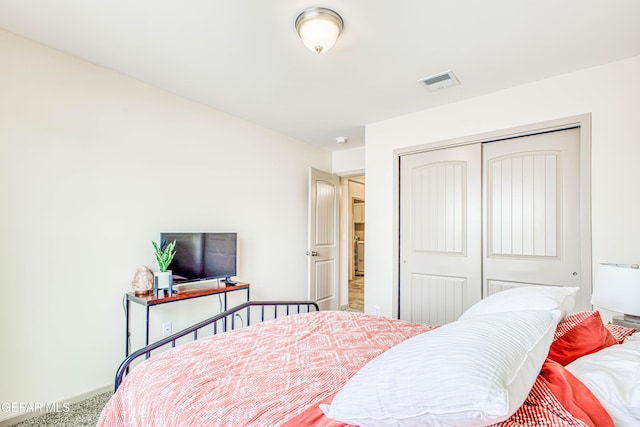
(10, 419)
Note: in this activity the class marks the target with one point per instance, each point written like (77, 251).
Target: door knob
(312, 253)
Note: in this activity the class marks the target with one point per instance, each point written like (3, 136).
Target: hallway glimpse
(356, 294)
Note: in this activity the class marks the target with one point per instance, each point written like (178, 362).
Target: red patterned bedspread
(258, 376)
(277, 372)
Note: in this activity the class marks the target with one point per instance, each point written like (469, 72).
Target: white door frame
(583, 121)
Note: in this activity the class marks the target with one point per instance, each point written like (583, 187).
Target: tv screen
(201, 256)
(219, 255)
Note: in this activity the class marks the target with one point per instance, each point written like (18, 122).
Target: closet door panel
(532, 210)
(440, 247)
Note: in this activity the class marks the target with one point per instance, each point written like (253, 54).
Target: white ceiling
(245, 58)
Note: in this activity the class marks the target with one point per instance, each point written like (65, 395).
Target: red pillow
(579, 334)
(574, 396)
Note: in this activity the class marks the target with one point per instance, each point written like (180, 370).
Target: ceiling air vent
(440, 81)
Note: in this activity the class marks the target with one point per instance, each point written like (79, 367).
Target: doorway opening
(356, 210)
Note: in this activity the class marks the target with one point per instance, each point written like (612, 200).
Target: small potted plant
(164, 255)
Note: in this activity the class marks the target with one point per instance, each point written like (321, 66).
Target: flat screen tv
(203, 256)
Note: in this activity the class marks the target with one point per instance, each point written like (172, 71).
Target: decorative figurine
(142, 280)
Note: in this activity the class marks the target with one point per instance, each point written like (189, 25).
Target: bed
(517, 358)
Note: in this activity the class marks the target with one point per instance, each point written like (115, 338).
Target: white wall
(348, 162)
(93, 166)
(611, 93)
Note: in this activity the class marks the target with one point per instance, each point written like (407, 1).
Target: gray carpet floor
(84, 413)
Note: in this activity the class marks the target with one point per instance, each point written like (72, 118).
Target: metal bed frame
(286, 308)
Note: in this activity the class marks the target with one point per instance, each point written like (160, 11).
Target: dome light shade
(319, 28)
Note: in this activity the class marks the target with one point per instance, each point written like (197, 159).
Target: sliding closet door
(531, 188)
(481, 218)
(440, 229)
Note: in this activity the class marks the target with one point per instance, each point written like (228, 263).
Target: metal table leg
(126, 328)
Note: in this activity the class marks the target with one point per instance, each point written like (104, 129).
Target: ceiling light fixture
(341, 139)
(319, 28)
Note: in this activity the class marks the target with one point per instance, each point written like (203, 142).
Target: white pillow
(560, 298)
(472, 372)
(613, 376)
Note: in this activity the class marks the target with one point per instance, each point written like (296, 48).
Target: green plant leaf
(164, 255)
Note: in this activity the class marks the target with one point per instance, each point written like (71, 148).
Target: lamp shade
(319, 28)
(617, 288)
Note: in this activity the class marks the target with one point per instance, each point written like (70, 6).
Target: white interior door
(532, 211)
(440, 234)
(481, 218)
(323, 239)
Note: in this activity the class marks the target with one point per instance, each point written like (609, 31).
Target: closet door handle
(312, 253)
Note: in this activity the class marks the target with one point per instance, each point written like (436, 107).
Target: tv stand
(228, 281)
(151, 300)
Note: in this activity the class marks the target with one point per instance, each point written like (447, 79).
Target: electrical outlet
(166, 329)
(376, 310)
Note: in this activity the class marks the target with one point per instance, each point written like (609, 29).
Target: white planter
(162, 280)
